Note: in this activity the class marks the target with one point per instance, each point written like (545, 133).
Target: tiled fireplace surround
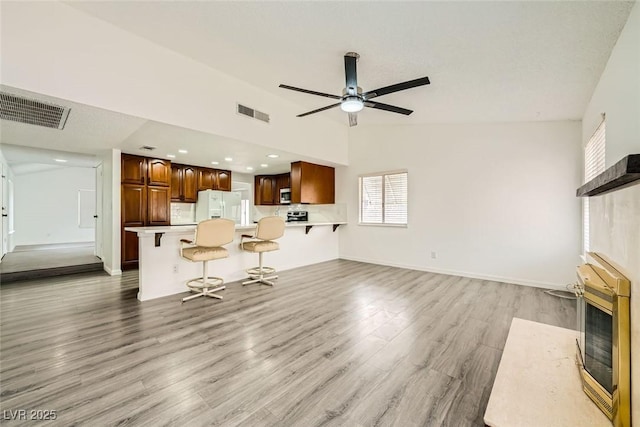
(615, 231)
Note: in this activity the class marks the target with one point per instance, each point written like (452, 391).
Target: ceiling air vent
(31, 111)
(255, 114)
(148, 148)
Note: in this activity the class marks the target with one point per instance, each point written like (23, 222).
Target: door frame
(98, 247)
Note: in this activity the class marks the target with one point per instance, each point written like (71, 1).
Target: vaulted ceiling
(487, 61)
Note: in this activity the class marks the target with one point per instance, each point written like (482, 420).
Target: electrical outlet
(434, 255)
(175, 268)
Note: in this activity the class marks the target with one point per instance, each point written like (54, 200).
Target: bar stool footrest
(256, 271)
(197, 284)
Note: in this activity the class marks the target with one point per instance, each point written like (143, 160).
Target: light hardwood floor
(336, 343)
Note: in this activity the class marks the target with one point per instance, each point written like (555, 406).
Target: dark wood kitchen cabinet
(133, 169)
(133, 214)
(206, 179)
(214, 179)
(184, 183)
(265, 190)
(158, 206)
(143, 170)
(223, 180)
(313, 184)
(145, 195)
(284, 181)
(159, 172)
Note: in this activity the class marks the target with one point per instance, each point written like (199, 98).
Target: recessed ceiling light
(228, 159)
(183, 151)
(171, 156)
(215, 163)
(264, 165)
(249, 168)
(272, 156)
(60, 160)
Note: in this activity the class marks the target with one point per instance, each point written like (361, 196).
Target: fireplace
(604, 343)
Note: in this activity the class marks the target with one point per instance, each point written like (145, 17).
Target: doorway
(52, 219)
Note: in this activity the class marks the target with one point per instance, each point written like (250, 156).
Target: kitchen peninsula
(163, 272)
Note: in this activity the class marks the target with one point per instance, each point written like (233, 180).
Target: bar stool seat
(211, 234)
(268, 229)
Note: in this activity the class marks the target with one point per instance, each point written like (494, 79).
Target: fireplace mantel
(617, 176)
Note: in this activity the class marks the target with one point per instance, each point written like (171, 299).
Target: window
(383, 198)
(593, 166)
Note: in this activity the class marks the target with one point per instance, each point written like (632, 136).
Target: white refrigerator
(219, 204)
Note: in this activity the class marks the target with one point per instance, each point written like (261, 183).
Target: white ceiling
(487, 61)
(90, 130)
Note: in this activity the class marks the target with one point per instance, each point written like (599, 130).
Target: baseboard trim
(112, 272)
(471, 275)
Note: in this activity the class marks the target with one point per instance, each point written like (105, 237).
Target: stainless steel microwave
(285, 196)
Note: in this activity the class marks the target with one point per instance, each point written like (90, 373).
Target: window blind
(383, 198)
(594, 165)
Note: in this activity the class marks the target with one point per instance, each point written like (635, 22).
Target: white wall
(615, 217)
(111, 211)
(46, 206)
(494, 201)
(6, 232)
(98, 64)
(618, 95)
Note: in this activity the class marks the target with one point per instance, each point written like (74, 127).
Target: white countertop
(187, 228)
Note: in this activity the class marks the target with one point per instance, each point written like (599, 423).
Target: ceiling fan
(353, 99)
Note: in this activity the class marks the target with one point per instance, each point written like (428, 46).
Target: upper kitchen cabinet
(214, 179)
(159, 172)
(284, 181)
(184, 183)
(223, 180)
(313, 184)
(143, 170)
(266, 190)
(132, 169)
(206, 179)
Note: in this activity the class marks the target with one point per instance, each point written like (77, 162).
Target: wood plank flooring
(340, 343)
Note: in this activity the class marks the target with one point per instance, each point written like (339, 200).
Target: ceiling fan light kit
(351, 104)
(353, 99)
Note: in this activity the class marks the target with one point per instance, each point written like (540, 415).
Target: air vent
(255, 114)
(31, 111)
(148, 148)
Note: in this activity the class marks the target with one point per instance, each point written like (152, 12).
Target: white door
(98, 217)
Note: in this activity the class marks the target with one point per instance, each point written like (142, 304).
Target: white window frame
(594, 165)
(382, 175)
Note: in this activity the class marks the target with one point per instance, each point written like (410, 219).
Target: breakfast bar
(163, 272)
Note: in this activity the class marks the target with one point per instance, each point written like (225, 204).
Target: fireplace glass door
(598, 345)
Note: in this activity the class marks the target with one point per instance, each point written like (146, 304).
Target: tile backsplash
(317, 213)
(183, 213)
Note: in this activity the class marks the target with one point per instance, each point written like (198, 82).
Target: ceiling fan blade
(312, 92)
(350, 73)
(319, 109)
(387, 107)
(353, 119)
(396, 87)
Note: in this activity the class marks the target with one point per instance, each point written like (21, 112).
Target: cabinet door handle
(5, 215)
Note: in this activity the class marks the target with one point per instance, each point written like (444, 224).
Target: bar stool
(211, 234)
(268, 229)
